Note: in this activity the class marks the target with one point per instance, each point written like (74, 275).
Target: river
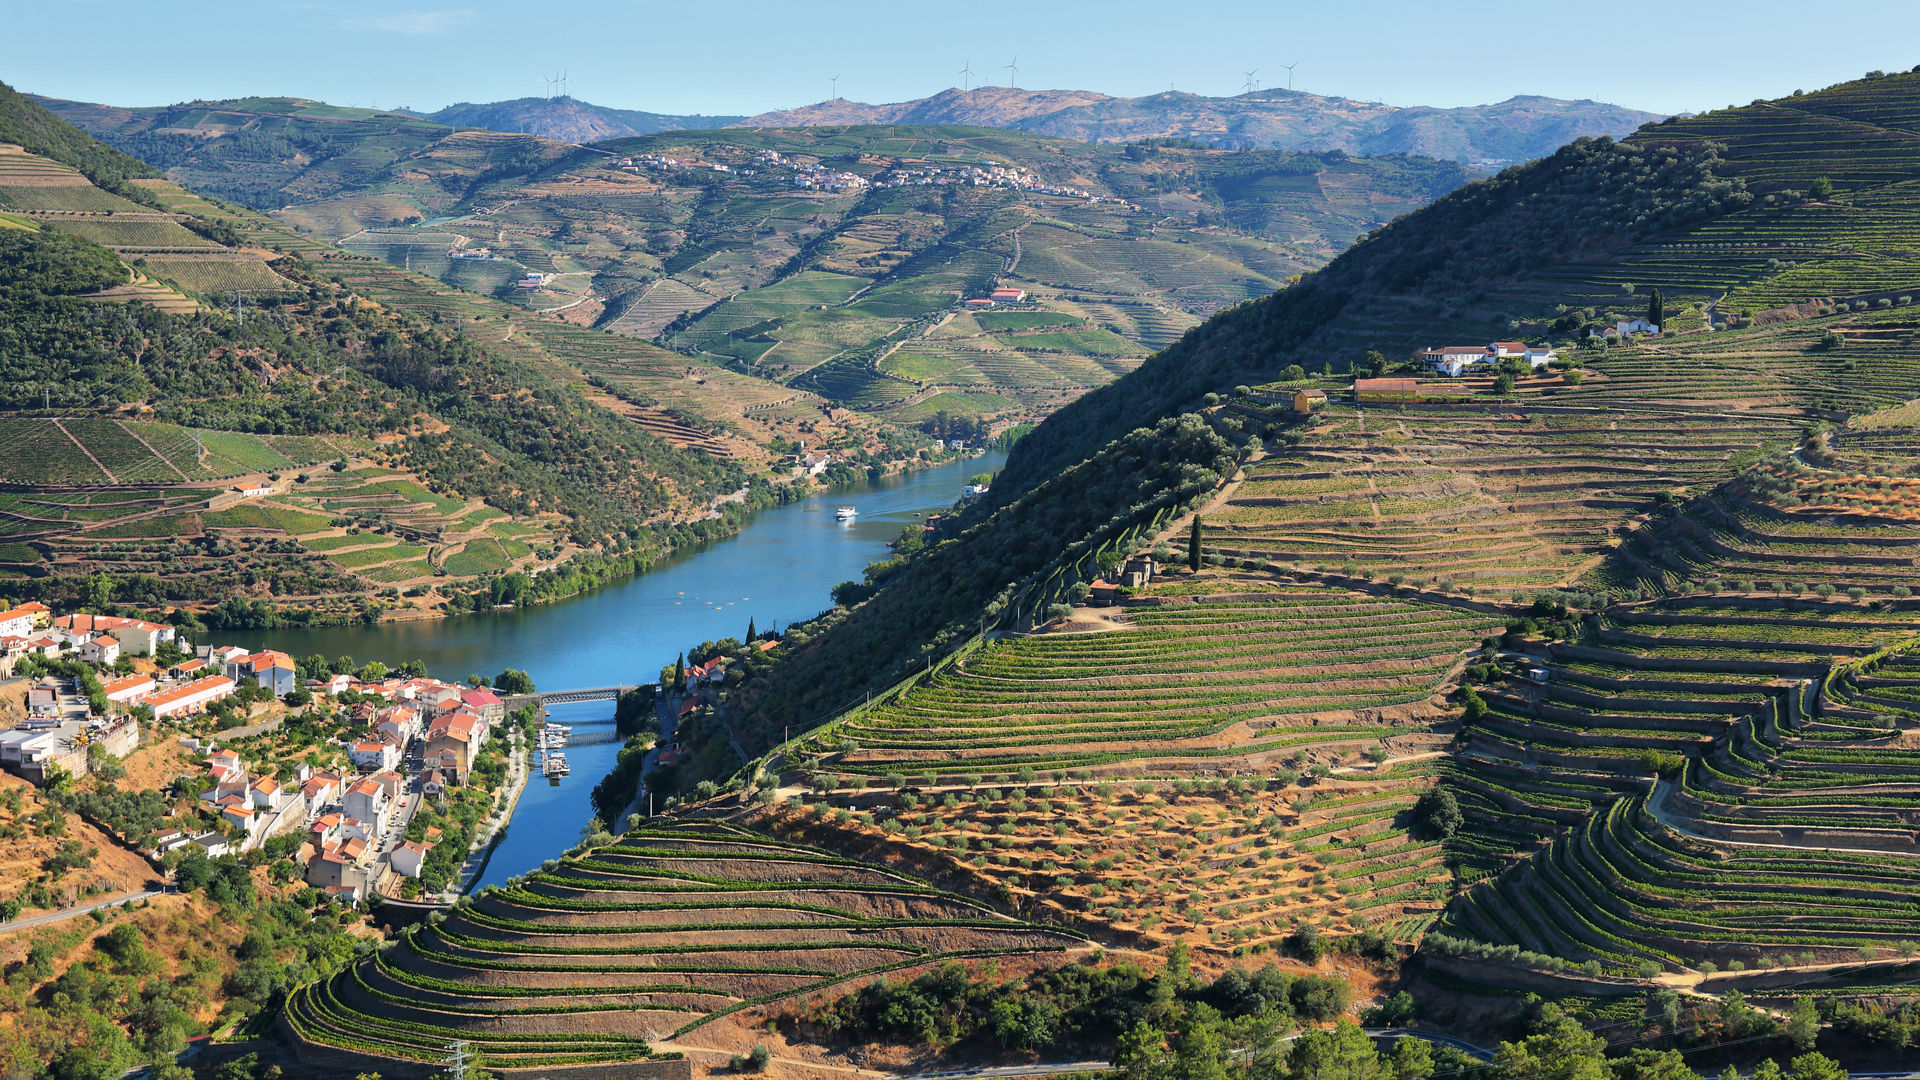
(776, 571)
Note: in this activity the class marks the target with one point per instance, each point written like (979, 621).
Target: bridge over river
(567, 697)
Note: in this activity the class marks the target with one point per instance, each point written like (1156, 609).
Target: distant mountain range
(1518, 129)
(568, 120)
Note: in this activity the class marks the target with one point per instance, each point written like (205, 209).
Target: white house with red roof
(410, 858)
(320, 789)
(22, 621)
(267, 794)
(190, 698)
(123, 690)
(100, 649)
(453, 741)
(275, 671)
(484, 703)
(397, 722)
(332, 685)
(366, 801)
(372, 755)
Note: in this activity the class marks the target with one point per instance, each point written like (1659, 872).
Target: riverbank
(481, 853)
(779, 570)
(585, 572)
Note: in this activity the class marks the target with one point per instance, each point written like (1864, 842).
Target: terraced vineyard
(53, 196)
(1737, 766)
(1055, 755)
(603, 958)
(1483, 501)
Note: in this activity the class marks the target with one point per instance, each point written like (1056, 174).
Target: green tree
(1656, 308)
(1802, 1027)
(513, 681)
(751, 632)
(1815, 1067)
(1412, 1059)
(1645, 1064)
(1375, 362)
(680, 673)
(1344, 1053)
(1820, 190)
(1559, 1049)
(1436, 814)
(1141, 1052)
(1193, 544)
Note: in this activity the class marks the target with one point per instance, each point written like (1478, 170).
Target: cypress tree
(750, 631)
(680, 673)
(1193, 545)
(1656, 309)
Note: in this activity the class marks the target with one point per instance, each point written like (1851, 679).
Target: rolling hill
(158, 354)
(1593, 681)
(1514, 130)
(797, 294)
(566, 119)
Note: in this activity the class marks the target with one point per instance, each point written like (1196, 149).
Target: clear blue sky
(747, 56)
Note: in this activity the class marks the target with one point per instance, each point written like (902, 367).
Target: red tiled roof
(168, 697)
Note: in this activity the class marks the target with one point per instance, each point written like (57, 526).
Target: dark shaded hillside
(1590, 198)
(26, 123)
(979, 577)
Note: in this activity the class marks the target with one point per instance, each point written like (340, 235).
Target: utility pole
(456, 1061)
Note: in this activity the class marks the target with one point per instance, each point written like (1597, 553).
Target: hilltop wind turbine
(836, 88)
(1290, 68)
(1013, 70)
(1252, 83)
(966, 76)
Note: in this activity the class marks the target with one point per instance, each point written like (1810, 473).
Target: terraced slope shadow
(1735, 770)
(591, 966)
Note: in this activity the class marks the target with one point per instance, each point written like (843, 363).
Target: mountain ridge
(567, 119)
(1519, 128)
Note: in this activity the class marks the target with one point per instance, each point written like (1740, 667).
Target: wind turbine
(1252, 84)
(1290, 68)
(1013, 70)
(966, 76)
(836, 88)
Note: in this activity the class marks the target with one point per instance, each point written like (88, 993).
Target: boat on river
(845, 513)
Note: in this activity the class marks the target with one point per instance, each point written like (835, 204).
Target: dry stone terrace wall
(1489, 499)
(1236, 754)
(596, 960)
(1057, 771)
(1777, 837)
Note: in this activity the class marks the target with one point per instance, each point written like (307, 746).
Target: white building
(191, 698)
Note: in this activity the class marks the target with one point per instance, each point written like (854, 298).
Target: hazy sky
(747, 56)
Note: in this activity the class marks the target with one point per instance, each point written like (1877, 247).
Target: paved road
(67, 913)
(1015, 1070)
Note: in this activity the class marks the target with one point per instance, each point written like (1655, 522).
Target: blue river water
(778, 570)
